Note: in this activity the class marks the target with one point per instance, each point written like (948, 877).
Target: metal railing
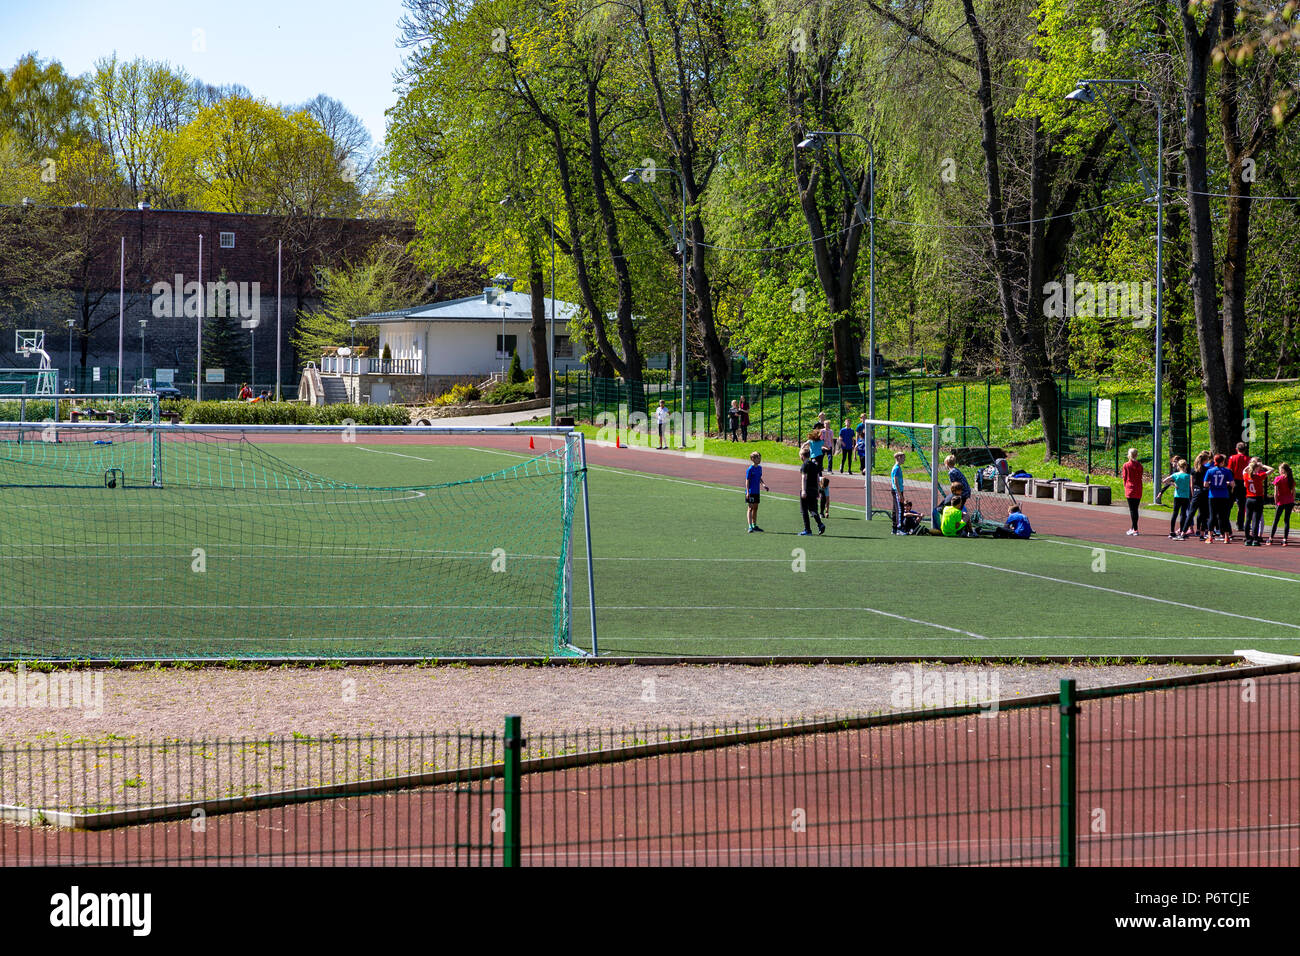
(1197, 770)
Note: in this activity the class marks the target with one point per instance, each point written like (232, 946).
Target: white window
(227, 240)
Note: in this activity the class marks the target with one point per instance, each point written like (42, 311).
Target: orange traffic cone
(617, 442)
(530, 442)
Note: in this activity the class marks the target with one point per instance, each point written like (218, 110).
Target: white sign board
(216, 375)
(1103, 413)
(94, 374)
(164, 376)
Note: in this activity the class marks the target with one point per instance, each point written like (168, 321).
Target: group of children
(951, 514)
(1205, 491)
(814, 492)
(815, 497)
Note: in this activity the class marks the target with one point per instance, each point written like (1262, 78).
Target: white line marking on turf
(1156, 557)
(1134, 594)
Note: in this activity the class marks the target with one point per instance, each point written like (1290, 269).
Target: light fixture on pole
(638, 176)
(507, 284)
(1088, 91)
(143, 323)
(812, 141)
(550, 362)
(71, 323)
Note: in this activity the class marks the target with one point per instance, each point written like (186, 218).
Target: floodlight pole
(121, 311)
(278, 262)
(1082, 93)
(869, 220)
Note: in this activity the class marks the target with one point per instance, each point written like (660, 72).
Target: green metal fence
(1202, 769)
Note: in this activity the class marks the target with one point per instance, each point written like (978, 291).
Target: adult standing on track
(848, 441)
(1132, 475)
(1237, 465)
(661, 421)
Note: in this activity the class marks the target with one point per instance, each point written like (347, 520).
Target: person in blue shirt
(848, 441)
(1018, 524)
(896, 487)
(753, 479)
(1218, 485)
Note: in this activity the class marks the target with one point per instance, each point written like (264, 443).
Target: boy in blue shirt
(753, 479)
(1018, 524)
(896, 487)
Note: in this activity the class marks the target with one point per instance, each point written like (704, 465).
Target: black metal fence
(1197, 770)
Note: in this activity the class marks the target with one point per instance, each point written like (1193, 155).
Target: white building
(432, 347)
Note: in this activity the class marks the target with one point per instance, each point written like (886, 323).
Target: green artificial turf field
(676, 574)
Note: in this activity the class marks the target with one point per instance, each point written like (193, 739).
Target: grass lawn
(676, 574)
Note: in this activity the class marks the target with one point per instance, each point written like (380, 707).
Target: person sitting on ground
(911, 519)
(953, 523)
(1017, 525)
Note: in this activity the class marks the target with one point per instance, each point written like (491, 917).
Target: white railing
(369, 365)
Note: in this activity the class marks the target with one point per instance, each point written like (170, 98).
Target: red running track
(1207, 774)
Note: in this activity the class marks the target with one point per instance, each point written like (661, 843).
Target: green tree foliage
(384, 279)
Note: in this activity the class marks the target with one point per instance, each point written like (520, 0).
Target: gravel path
(170, 704)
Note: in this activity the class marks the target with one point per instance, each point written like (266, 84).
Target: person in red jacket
(1237, 465)
(1255, 490)
(1132, 475)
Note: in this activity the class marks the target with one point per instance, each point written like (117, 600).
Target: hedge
(285, 413)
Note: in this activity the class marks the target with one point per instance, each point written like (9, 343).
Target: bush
(510, 392)
(459, 395)
(291, 413)
(516, 374)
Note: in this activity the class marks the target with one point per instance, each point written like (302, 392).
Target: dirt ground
(170, 704)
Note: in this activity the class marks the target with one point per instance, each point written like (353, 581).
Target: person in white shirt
(661, 421)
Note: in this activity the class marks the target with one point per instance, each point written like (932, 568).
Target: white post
(121, 310)
(278, 250)
(198, 350)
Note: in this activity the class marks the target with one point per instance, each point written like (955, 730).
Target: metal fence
(1197, 770)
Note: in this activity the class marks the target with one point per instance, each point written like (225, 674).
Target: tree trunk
(1209, 334)
(537, 331)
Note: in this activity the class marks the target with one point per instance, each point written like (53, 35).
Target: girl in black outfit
(1200, 504)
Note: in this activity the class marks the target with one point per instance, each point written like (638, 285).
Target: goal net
(927, 478)
(152, 541)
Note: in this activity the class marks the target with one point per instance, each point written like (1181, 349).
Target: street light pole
(71, 370)
(1084, 93)
(143, 323)
(636, 176)
(869, 220)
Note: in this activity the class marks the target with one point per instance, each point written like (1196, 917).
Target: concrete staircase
(333, 390)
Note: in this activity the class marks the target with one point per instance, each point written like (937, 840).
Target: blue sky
(285, 51)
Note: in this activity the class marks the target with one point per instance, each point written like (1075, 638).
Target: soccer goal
(926, 447)
(146, 541)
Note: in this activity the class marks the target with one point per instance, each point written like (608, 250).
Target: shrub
(292, 413)
(458, 395)
(515, 375)
(506, 393)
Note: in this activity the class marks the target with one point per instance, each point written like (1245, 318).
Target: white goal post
(878, 429)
